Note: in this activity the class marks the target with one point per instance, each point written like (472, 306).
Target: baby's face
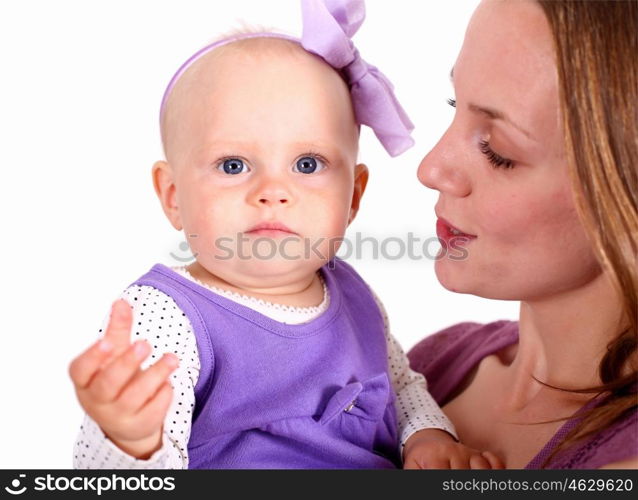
(261, 175)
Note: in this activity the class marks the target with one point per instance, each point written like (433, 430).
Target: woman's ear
(360, 182)
(164, 184)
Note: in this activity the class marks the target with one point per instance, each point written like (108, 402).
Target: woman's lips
(271, 229)
(448, 234)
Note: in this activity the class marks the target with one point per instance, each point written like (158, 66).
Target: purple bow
(367, 400)
(328, 26)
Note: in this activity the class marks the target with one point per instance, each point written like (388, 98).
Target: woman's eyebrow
(494, 114)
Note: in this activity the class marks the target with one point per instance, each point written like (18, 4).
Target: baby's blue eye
(233, 166)
(308, 165)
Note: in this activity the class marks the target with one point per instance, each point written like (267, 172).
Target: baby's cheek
(203, 229)
(327, 209)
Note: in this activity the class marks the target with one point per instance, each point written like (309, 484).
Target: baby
(276, 353)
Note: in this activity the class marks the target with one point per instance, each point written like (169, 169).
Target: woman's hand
(436, 449)
(129, 404)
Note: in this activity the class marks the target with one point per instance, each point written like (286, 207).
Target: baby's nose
(273, 200)
(272, 194)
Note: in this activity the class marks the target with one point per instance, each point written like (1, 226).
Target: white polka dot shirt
(158, 320)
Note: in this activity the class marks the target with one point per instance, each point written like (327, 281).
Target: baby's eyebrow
(300, 146)
(312, 145)
(229, 144)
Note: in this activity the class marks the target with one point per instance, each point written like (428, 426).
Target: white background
(79, 95)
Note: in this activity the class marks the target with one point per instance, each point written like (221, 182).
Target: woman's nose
(444, 168)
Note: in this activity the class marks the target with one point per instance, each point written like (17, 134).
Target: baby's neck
(307, 292)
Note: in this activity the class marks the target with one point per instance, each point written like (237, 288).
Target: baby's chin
(275, 275)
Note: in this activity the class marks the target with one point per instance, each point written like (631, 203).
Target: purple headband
(328, 26)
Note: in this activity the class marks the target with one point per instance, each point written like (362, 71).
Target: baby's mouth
(272, 229)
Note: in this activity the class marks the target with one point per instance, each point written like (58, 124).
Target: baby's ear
(360, 181)
(164, 185)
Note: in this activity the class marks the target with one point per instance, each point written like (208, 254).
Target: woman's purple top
(447, 357)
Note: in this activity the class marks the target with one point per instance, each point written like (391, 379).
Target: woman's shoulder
(447, 357)
(463, 337)
(613, 445)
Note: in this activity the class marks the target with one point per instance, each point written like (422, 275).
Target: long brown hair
(596, 45)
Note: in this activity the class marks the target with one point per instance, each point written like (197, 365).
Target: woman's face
(500, 168)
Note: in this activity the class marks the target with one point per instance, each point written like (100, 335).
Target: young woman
(537, 177)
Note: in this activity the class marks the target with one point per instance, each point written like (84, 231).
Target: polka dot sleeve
(159, 321)
(415, 406)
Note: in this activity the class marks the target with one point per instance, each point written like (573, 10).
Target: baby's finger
(144, 386)
(118, 331)
(460, 462)
(410, 464)
(479, 462)
(110, 381)
(435, 463)
(494, 461)
(156, 408)
(84, 367)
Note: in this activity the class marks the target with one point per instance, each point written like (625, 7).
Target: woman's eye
(233, 166)
(451, 102)
(308, 165)
(495, 159)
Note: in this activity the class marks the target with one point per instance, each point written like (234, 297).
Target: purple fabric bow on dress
(328, 26)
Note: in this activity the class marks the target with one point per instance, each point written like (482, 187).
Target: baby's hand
(127, 403)
(436, 449)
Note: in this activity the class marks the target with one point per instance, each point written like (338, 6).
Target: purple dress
(448, 356)
(277, 396)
